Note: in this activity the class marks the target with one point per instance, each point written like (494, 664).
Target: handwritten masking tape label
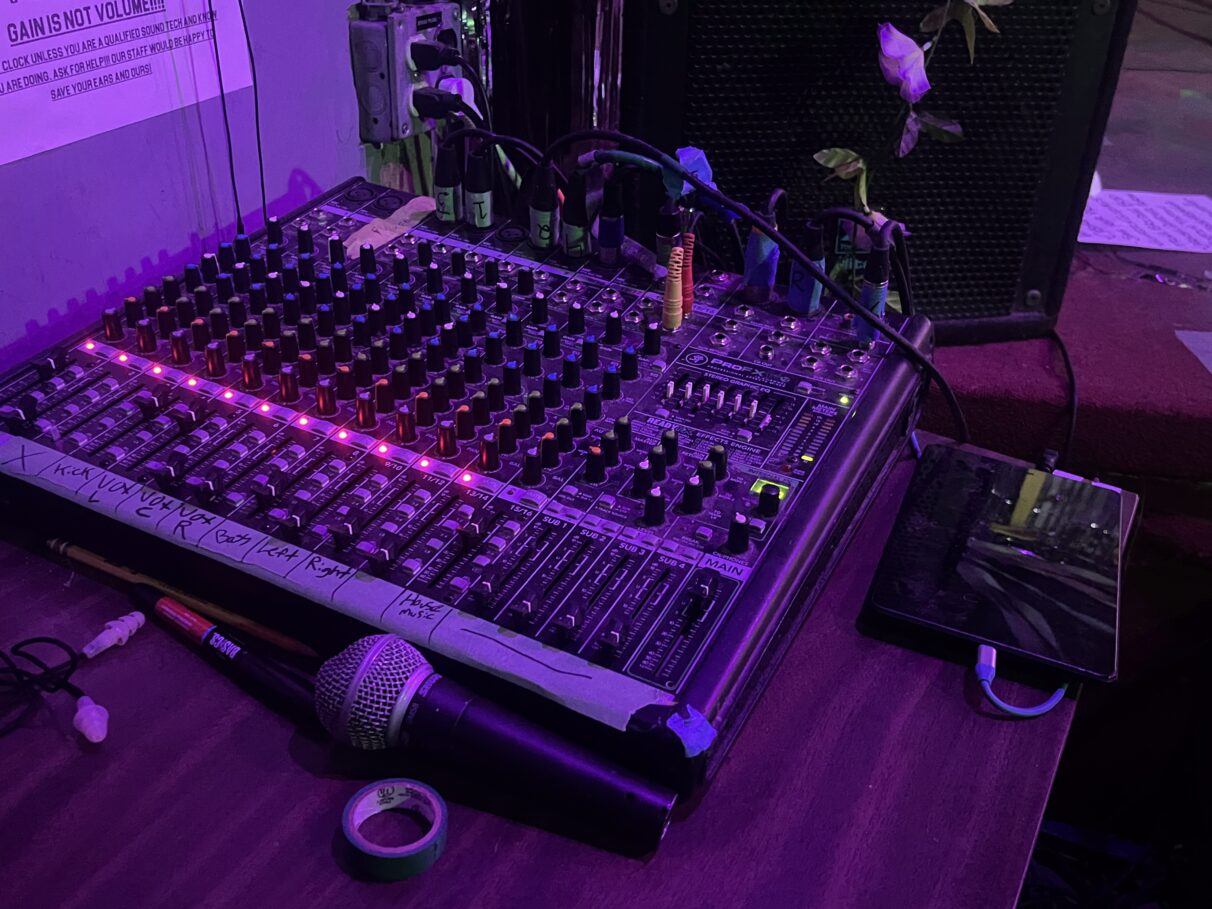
(382, 231)
(596, 692)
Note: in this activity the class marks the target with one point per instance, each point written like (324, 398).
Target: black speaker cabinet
(762, 85)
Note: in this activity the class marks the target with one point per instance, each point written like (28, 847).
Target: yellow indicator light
(844, 400)
(808, 458)
(758, 484)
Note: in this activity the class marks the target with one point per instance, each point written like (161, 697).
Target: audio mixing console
(499, 454)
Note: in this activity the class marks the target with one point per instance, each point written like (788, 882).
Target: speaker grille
(771, 82)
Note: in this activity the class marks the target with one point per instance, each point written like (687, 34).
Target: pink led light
(122, 358)
(264, 408)
(466, 478)
(156, 370)
(229, 395)
(303, 421)
(89, 345)
(191, 382)
(382, 449)
(342, 434)
(424, 462)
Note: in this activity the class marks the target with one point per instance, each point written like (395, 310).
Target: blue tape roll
(394, 863)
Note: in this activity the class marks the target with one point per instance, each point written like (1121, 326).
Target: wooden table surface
(867, 775)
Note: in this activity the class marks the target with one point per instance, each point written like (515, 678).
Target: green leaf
(936, 18)
(833, 158)
(909, 135)
(850, 169)
(940, 127)
(975, 6)
(969, 23)
(860, 191)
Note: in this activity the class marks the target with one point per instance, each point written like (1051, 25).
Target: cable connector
(117, 632)
(434, 103)
(428, 55)
(986, 663)
(91, 720)
(986, 672)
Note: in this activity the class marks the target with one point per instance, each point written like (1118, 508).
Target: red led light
(382, 449)
(228, 395)
(157, 370)
(466, 478)
(342, 434)
(303, 421)
(264, 408)
(424, 462)
(191, 382)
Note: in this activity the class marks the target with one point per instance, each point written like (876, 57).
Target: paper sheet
(1169, 221)
(70, 70)
(1200, 344)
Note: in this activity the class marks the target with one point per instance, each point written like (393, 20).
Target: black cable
(252, 66)
(19, 685)
(231, 155)
(1071, 430)
(471, 114)
(532, 154)
(839, 293)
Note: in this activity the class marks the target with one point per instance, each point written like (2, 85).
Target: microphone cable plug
(91, 719)
(116, 633)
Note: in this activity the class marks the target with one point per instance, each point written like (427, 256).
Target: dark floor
(1130, 819)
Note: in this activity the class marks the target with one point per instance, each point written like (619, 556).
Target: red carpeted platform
(1145, 399)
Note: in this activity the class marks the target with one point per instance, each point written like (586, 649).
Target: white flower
(903, 63)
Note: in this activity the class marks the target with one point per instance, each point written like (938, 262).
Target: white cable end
(117, 632)
(91, 720)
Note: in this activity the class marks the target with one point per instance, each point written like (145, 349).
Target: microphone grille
(358, 689)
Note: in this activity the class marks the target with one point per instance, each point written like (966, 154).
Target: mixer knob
(692, 495)
(768, 500)
(241, 278)
(532, 363)
(492, 271)
(271, 357)
(718, 456)
(658, 460)
(406, 425)
(652, 339)
(503, 299)
(473, 365)
(309, 370)
(215, 363)
(435, 358)
(447, 446)
(326, 397)
(469, 292)
(563, 434)
(347, 386)
(439, 393)
(538, 309)
(422, 407)
(521, 421)
(336, 249)
(417, 374)
(210, 269)
(490, 454)
(595, 465)
(464, 423)
(399, 268)
(132, 311)
(610, 448)
(180, 347)
(536, 409)
(589, 352)
(622, 429)
(464, 331)
(496, 395)
(532, 468)
(480, 413)
(433, 278)
(380, 362)
(576, 319)
(424, 253)
(612, 384)
(669, 441)
(478, 319)
(507, 436)
(366, 415)
(549, 450)
(306, 263)
(614, 328)
(513, 331)
(576, 417)
(525, 281)
(654, 507)
(494, 348)
(593, 403)
(227, 256)
(551, 340)
(199, 332)
(145, 336)
(455, 382)
(111, 325)
(738, 534)
(705, 471)
(551, 390)
(512, 374)
(250, 372)
(448, 334)
(253, 335)
(630, 364)
(288, 385)
(571, 377)
(366, 258)
(428, 318)
(641, 479)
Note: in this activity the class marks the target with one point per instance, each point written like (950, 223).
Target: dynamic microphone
(381, 693)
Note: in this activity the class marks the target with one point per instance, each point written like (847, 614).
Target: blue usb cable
(986, 671)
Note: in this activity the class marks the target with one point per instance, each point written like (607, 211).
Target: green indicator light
(844, 400)
(758, 484)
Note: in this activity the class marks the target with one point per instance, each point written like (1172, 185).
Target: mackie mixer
(500, 455)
